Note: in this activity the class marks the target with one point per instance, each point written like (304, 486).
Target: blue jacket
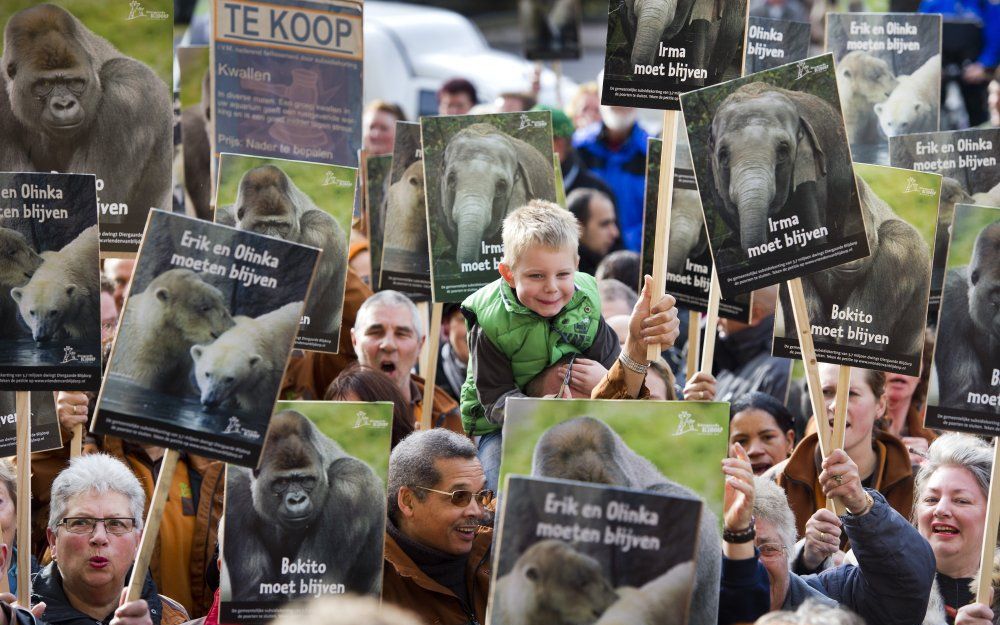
(624, 170)
(986, 11)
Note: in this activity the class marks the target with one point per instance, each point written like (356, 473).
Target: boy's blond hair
(539, 223)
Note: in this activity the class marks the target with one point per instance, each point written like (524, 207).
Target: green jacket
(528, 342)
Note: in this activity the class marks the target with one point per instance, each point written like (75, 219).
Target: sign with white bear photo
(204, 338)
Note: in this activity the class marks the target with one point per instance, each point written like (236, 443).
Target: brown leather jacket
(405, 585)
(444, 412)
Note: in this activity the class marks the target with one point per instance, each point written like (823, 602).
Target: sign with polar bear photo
(310, 520)
(964, 393)
(772, 43)
(298, 202)
(479, 168)
(405, 256)
(376, 179)
(659, 49)
(45, 432)
(287, 81)
(968, 161)
(871, 313)
(888, 75)
(204, 338)
(50, 296)
(774, 172)
(571, 552)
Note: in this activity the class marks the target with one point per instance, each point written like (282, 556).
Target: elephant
(688, 237)
(775, 153)
(486, 174)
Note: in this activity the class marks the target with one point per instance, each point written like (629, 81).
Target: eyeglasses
(116, 526)
(771, 550)
(461, 498)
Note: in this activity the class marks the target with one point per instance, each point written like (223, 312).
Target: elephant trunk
(683, 238)
(753, 194)
(652, 18)
(472, 216)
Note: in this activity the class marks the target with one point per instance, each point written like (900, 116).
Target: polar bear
(863, 81)
(988, 198)
(913, 105)
(18, 263)
(175, 311)
(244, 366)
(62, 299)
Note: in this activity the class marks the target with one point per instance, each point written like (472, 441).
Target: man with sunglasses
(436, 549)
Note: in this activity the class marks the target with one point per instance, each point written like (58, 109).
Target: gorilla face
(984, 281)
(264, 205)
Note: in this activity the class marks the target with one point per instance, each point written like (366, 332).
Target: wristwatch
(868, 506)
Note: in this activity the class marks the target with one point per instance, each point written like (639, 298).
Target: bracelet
(632, 365)
(742, 536)
(868, 506)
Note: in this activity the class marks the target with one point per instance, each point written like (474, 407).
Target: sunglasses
(462, 498)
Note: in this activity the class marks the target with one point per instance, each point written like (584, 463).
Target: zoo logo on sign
(805, 70)
(527, 123)
(364, 421)
(686, 424)
(137, 11)
(70, 355)
(913, 187)
(332, 179)
(235, 427)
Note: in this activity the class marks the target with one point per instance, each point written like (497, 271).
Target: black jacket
(47, 586)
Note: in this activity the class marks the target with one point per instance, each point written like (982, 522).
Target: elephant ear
(447, 202)
(810, 160)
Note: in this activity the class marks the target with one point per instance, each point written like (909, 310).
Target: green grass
(915, 208)
(194, 63)
(969, 222)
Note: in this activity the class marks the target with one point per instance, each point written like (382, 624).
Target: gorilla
(307, 501)
(269, 203)
(73, 103)
(196, 144)
(968, 343)
(587, 450)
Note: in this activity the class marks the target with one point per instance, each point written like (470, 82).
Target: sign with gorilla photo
(477, 169)
(85, 89)
(298, 202)
(888, 75)
(551, 28)
(376, 180)
(196, 149)
(871, 313)
(689, 263)
(310, 521)
(965, 380)
(658, 49)
(968, 161)
(204, 338)
(50, 298)
(287, 80)
(772, 43)
(774, 172)
(405, 258)
(568, 552)
(45, 432)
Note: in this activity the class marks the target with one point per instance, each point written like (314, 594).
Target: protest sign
(376, 180)
(871, 313)
(778, 194)
(194, 176)
(572, 552)
(287, 80)
(214, 305)
(405, 260)
(50, 291)
(45, 433)
(118, 128)
(468, 198)
(299, 202)
(323, 534)
(772, 43)
(653, 54)
(888, 75)
(551, 28)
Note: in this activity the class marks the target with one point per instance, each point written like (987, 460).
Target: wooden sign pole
(840, 408)
(76, 443)
(425, 350)
(990, 533)
(694, 339)
(664, 197)
(430, 376)
(152, 529)
(4, 582)
(714, 295)
(22, 400)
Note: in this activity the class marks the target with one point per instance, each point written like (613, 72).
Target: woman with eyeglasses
(95, 523)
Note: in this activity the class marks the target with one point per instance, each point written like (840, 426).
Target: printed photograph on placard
(194, 183)
(774, 172)
(204, 338)
(658, 49)
(871, 313)
(299, 202)
(50, 297)
(405, 259)
(108, 111)
(376, 195)
(772, 43)
(478, 168)
(310, 520)
(967, 159)
(889, 77)
(551, 28)
(964, 394)
(568, 552)
(45, 432)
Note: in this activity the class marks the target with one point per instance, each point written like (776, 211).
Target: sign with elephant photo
(888, 75)
(404, 254)
(298, 202)
(772, 43)
(871, 313)
(658, 49)
(568, 552)
(964, 394)
(376, 182)
(774, 172)
(968, 161)
(287, 80)
(50, 296)
(310, 520)
(477, 169)
(689, 263)
(45, 432)
(551, 28)
(204, 338)
(107, 111)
